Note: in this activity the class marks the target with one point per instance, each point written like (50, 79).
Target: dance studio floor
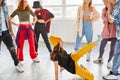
(45, 69)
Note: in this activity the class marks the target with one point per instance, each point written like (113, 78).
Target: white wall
(66, 29)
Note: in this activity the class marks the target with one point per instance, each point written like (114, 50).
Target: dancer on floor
(70, 61)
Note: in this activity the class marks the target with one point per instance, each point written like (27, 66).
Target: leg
(116, 60)
(37, 34)
(88, 35)
(112, 47)
(102, 46)
(31, 40)
(83, 72)
(77, 43)
(78, 54)
(0, 43)
(45, 38)
(78, 40)
(20, 49)
(9, 43)
(88, 31)
(116, 64)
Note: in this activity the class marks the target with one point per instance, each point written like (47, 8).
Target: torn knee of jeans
(12, 48)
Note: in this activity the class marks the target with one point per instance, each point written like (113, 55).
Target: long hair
(57, 49)
(21, 6)
(90, 6)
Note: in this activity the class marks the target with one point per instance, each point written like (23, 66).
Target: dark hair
(57, 49)
(106, 8)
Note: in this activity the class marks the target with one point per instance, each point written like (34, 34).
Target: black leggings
(41, 29)
(112, 46)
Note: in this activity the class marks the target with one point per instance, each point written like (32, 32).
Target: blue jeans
(87, 31)
(116, 60)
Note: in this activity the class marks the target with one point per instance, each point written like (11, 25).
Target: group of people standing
(41, 21)
(86, 15)
(110, 32)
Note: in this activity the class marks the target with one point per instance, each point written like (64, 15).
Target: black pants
(7, 39)
(41, 29)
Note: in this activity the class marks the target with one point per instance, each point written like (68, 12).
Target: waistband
(3, 32)
(25, 25)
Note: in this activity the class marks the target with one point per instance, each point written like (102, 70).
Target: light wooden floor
(45, 69)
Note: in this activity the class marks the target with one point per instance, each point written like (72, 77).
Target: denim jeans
(87, 31)
(116, 60)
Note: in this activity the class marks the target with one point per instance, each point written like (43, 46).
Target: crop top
(87, 13)
(22, 15)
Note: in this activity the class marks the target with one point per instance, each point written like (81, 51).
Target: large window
(67, 8)
(64, 9)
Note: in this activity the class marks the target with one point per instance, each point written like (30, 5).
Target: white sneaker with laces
(36, 60)
(19, 68)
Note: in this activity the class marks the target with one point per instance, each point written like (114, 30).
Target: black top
(39, 16)
(65, 61)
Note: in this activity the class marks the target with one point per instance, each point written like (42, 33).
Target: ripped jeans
(7, 39)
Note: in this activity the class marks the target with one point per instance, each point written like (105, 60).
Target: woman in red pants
(25, 31)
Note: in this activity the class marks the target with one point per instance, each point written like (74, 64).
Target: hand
(77, 32)
(13, 36)
(17, 25)
(61, 68)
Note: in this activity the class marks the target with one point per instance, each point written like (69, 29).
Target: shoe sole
(20, 71)
(109, 79)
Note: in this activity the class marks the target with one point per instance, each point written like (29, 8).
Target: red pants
(31, 41)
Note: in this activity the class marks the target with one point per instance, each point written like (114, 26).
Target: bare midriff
(86, 17)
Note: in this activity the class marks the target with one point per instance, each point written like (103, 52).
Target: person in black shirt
(70, 61)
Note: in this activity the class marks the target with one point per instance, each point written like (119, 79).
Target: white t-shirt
(4, 28)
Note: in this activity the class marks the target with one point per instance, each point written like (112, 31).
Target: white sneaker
(108, 65)
(110, 77)
(19, 68)
(36, 60)
(88, 57)
(21, 63)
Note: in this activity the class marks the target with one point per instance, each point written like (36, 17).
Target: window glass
(51, 2)
(74, 2)
(71, 12)
(57, 11)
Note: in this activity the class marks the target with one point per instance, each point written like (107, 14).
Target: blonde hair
(90, 6)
